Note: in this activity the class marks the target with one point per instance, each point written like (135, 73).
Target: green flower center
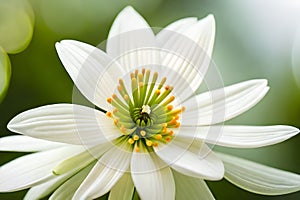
(146, 115)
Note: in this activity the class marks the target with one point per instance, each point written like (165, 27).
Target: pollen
(170, 107)
(109, 100)
(149, 143)
(143, 133)
(108, 114)
(158, 136)
(130, 141)
(157, 92)
(136, 137)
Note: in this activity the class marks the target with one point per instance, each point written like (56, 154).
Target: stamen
(130, 141)
(170, 107)
(155, 75)
(171, 99)
(162, 82)
(145, 115)
(143, 133)
(108, 114)
(149, 143)
(136, 137)
(158, 136)
(135, 92)
(109, 100)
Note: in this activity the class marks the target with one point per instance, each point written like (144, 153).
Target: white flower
(153, 136)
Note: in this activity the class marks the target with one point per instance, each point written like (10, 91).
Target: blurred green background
(254, 39)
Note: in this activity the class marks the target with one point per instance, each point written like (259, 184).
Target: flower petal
(105, 174)
(23, 143)
(191, 159)
(178, 26)
(130, 33)
(240, 136)
(123, 189)
(259, 178)
(67, 123)
(223, 104)
(90, 69)
(152, 178)
(43, 190)
(188, 46)
(68, 188)
(33, 169)
(191, 188)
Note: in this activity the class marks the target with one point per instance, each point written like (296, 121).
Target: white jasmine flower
(152, 137)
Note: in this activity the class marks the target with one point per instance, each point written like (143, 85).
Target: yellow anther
(136, 137)
(177, 125)
(137, 149)
(116, 121)
(109, 100)
(140, 76)
(168, 139)
(123, 129)
(119, 88)
(182, 109)
(130, 141)
(149, 143)
(173, 122)
(157, 92)
(143, 133)
(126, 97)
(108, 114)
(114, 96)
(158, 136)
(155, 144)
(164, 125)
(141, 84)
(115, 110)
(171, 132)
(165, 129)
(143, 71)
(170, 107)
(167, 87)
(132, 75)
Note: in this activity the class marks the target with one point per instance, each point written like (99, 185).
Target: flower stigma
(145, 116)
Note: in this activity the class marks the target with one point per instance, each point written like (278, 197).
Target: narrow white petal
(69, 187)
(67, 123)
(43, 190)
(259, 178)
(105, 174)
(152, 178)
(178, 26)
(93, 72)
(127, 38)
(123, 189)
(191, 188)
(223, 104)
(33, 169)
(240, 136)
(188, 46)
(80, 161)
(23, 143)
(191, 158)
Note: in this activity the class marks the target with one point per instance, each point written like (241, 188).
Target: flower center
(145, 116)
